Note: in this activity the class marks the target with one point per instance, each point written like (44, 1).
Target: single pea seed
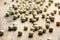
(59, 12)
(51, 19)
(14, 17)
(12, 0)
(47, 14)
(55, 11)
(25, 28)
(43, 16)
(52, 14)
(32, 29)
(14, 28)
(47, 26)
(44, 30)
(32, 20)
(7, 15)
(10, 28)
(40, 32)
(40, 27)
(50, 30)
(1, 33)
(5, 3)
(19, 34)
(48, 21)
(11, 13)
(45, 9)
(30, 34)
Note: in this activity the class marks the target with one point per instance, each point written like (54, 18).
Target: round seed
(30, 34)
(51, 19)
(5, 3)
(55, 11)
(48, 21)
(11, 13)
(36, 17)
(43, 16)
(14, 17)
(47, 26)
(47, 14)
(44, 30)
(32, 29)
(7, 15)
(14, 28)
(12, 0)
(59, 12)
(1, 33)
(45, 9)
(40, 32)
(40, 11)
(25, 28)
(19, 34)
(32, 20)
(50, 30)
(18, 15)
(10, 28)
(24, 19)
(52, 14)
(39, 27)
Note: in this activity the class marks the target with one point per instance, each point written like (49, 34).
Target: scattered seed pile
(24, 8)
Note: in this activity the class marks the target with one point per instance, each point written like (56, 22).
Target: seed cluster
(24, 9)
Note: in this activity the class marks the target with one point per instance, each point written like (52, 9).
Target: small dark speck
(12, 0)
(5, 3)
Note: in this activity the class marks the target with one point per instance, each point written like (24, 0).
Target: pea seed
(19, 34)
(14, 28)
(32, 29)
(47, 26)
(7, 15)
(5, 3)
(43, 16)
(44, 30)
(31, 34)
(51, 19)
(50, 30)
(25, 28)
(1, 33)
(32, 20)
(10, 28)
(40, 32)
(14, 17)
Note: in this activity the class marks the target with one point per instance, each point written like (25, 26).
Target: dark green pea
(5, 3)
(25, 28)
(7, 15)
(51, 19)
(1, 33)
(30, 34)
(10, 28)
(44, 30)
(40, 32)
(47, 26)
(14, 28)
(19, 34)
(43, 16)
(14, 17)
(50, 30)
